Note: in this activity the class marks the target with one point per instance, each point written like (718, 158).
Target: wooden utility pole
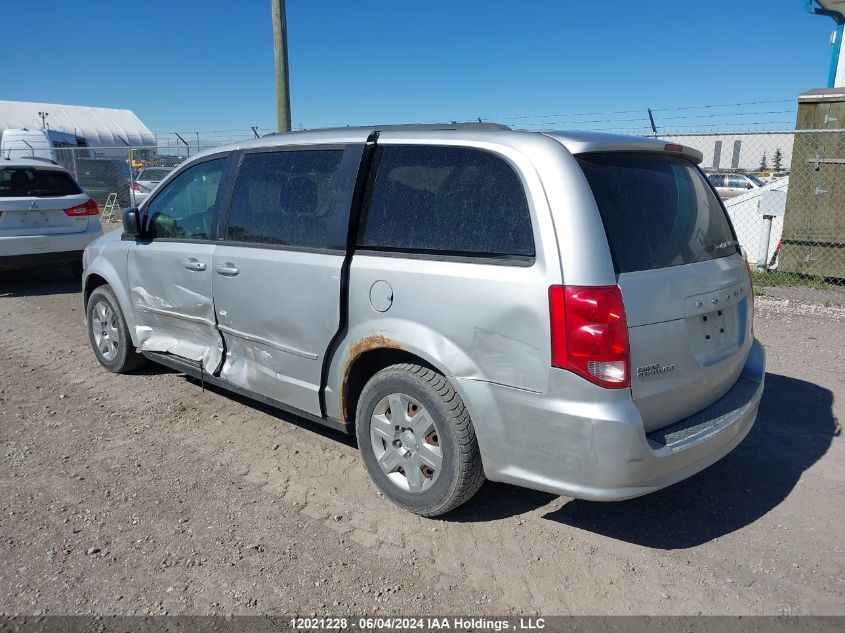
(280, 52)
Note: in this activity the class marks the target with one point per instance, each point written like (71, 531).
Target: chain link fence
(116, 177)
(785, 195)
(784, 190)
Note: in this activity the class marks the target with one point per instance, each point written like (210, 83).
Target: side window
(717, 180)
(289, 198)
(447, 200)
(737, 182)
(185, 208)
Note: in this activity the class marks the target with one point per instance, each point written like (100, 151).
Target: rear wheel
(417, 440)
(108, 333)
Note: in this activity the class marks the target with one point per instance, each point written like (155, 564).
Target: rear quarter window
(658, 211)
(23, 182)
(445, 200)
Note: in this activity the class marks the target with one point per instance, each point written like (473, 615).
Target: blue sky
(207, 65)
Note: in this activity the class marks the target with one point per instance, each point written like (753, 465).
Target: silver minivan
(568, 312)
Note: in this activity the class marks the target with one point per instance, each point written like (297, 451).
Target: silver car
(730, 185)
(568, 312)
(143, 184)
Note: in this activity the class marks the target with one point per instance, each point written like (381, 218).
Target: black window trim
(146, 238)
(521, 261)
(236, 170)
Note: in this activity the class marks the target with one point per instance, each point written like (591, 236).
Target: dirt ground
(149, 494)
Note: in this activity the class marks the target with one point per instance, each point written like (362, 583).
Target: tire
(108, 333)
(434, 423)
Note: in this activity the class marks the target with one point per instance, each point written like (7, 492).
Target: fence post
(762, 265)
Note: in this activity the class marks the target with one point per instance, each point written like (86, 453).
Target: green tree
(764, 165)
(777, 161)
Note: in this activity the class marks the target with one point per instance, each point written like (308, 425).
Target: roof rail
(454, 125)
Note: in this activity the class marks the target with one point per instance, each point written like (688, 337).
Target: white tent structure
(107, 131)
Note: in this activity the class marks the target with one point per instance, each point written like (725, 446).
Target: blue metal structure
(816, 7)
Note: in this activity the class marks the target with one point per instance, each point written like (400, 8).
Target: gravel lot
(149, 494)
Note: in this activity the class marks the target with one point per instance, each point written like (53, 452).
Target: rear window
(658, 211)
(24, 182)
(446, 200)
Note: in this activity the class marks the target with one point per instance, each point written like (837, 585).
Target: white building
(741, 150)
(108, 131)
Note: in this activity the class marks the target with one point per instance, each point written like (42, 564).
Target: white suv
(45, 217)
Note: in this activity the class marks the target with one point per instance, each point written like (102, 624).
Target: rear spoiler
(591, 142)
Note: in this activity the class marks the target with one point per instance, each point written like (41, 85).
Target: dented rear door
(277, 274)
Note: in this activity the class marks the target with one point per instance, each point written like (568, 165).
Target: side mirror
(749, 186)
(131, 223)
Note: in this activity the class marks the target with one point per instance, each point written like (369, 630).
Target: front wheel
(417, 440)
(108, 333)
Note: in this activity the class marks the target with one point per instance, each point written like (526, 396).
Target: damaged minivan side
(564, 311)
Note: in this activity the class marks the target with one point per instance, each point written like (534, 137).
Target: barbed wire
(641, 110)
(564, 118)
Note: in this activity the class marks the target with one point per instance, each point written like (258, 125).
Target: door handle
(227, 270)
(192, 263)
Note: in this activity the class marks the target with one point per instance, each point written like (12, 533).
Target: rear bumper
(40, 259)
(34, 249)
(596, 447)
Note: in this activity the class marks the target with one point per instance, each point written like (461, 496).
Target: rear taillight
(89, 208)
(590, 333)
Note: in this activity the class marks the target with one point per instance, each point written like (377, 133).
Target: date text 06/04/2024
(409, 623)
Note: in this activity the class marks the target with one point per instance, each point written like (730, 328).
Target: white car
(45, 217)
(144, 183)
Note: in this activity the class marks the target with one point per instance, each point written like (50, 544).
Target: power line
(725, 114)
(669, 130)
(639, 110)
(566, 119)
(725, 105)
(661, 119)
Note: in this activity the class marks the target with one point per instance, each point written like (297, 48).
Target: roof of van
(576, 142)
(30, 162)
(43, 134)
